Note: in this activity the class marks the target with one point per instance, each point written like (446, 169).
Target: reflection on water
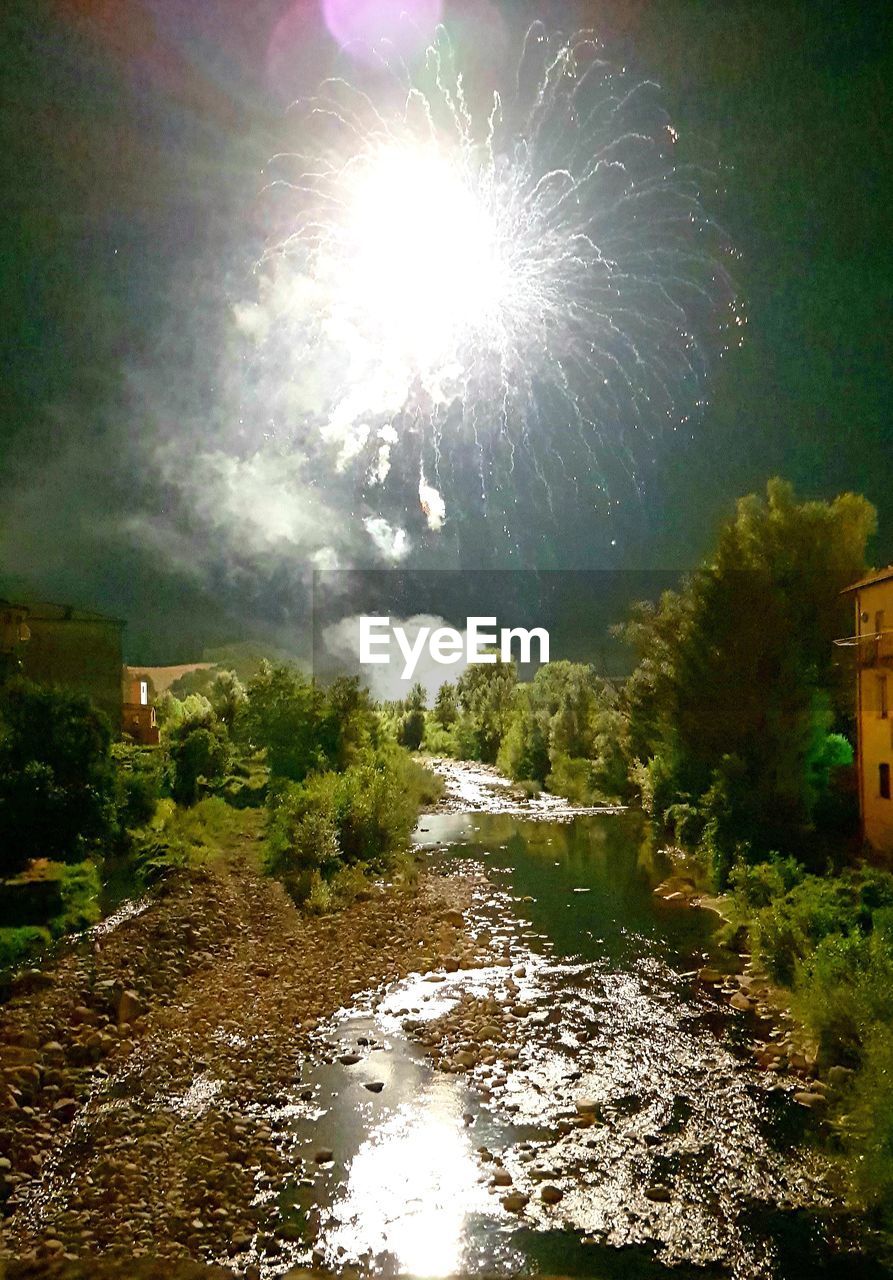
(686, 1160)
(413, 1185)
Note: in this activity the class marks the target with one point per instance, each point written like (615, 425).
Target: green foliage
(21, 944)
(869, 1137)
(197, 753)
(57, 782)
(787, 929)
(228, 699)
(363, 815)
(736, 691)
(303, 728)
(185, 837)
(81, 887)
(485, 693)
(446, 706)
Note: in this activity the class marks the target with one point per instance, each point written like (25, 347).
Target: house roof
(879, 575)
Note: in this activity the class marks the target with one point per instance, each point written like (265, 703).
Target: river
(630, 1122)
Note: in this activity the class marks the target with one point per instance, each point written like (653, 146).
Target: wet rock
(515, 1202)
(323, 1156)
(374, 1086)
(349, 1059)
(551, 1194)
(501, 1178)
(809, 1098)
(130, 1007)
(65, 1110)
(740, 1001)
(658, 1193)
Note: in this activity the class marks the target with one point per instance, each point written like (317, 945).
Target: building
(872, 642)
(138, 718)
(74, 649)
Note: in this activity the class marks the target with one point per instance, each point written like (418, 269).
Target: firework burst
(491, 307)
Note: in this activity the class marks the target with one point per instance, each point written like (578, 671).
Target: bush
(869, 1138)
(361, 816)
(571, 778)
(844, 989)
(197, 754)
(21, 944)
(57, 782)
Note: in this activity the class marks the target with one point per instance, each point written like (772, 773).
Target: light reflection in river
(411, 1188)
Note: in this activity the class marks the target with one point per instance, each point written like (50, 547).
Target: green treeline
(315, 768)
(735, 734)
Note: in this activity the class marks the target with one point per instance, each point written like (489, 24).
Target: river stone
(374, 1086)
(65, 1110)
(324, 1156)
(515, 1201)
(809, 1098)
(349, 1059)
(658, 1193)
(489, 1031)
(502, 1178)
(551, 1195)
(587, 1107)
(740, 1001)
(130, 1007)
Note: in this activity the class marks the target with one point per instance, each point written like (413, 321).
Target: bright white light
(415, 263)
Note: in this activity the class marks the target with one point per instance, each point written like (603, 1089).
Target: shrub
(333, 820)
(195, 754)
(869, 1139)
(57, 781)
(20, 944)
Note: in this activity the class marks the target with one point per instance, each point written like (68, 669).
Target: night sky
(133, 136)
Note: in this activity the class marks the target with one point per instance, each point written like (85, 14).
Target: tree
(196, 752)
(485, 692)
(446, 706)
(738, 666)
(228, 698)
(57, 783)
(286, 717)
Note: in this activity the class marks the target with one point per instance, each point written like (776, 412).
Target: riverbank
(133, 1064)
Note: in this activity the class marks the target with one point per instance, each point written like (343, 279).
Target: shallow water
(615, 1017)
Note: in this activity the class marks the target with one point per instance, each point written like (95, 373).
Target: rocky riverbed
(139, 1067)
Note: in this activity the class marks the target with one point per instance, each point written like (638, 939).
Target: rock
(658, 1193)
(501, 1178)
(349, 1059)
(454, 917)
(587, 1107)
(809, 1098)
(740, 1001)
(451, 964)
(515, 1201)
(130, 1007)
(840, 1076)
(489, 1031)
(374, 1086)
(323, 1156)
(710, 976)
(551, 1195)
(65, 1110)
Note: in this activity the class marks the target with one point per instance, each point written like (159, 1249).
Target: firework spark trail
(544, 297)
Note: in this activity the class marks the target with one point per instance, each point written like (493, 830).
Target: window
(882, 709)
(144, 693)
(884, 780)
